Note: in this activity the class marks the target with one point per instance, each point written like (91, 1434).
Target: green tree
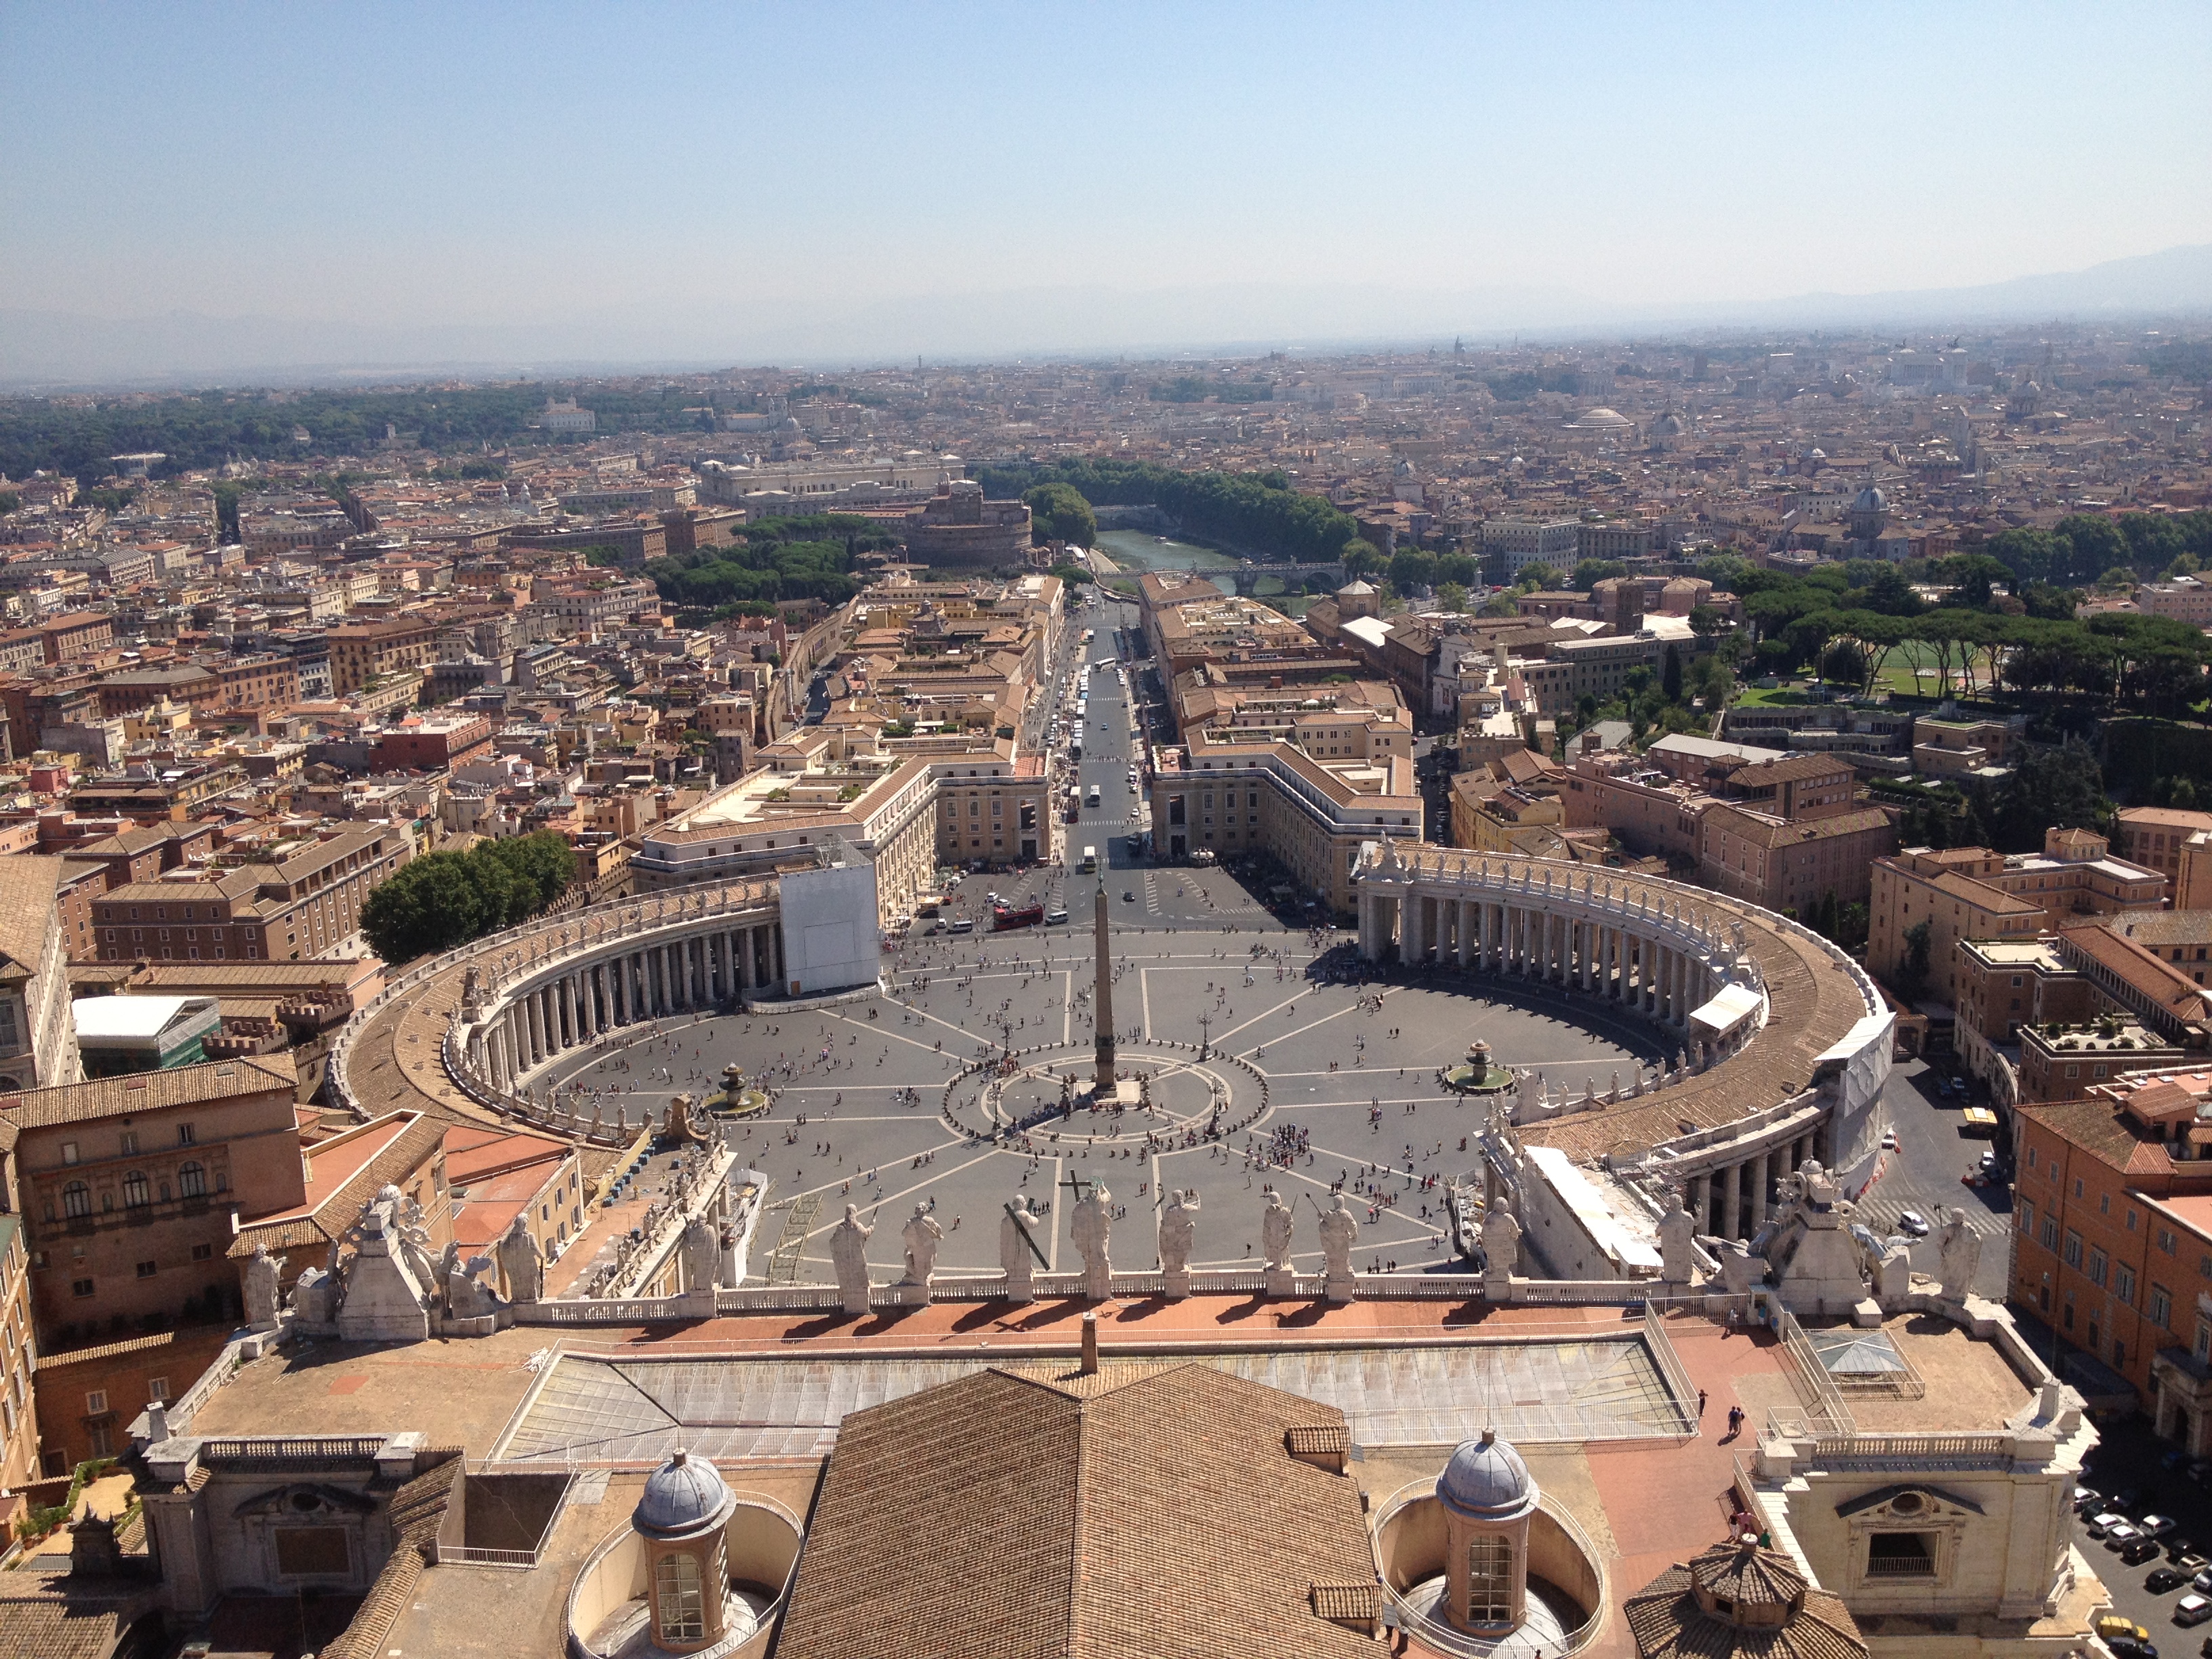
(1589, 572)
(1537, 578)
(1058, 512)
(1844, 662)
(1361, 558)
(1670, 675)
(1453, 596)
(1912, 972)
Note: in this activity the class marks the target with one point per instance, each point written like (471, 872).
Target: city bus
(1090, 860)
(1094, 795)
(1074, 803)
(1004, 916)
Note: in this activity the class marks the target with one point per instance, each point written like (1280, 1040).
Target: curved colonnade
(459, 1036)
(1788, 1039)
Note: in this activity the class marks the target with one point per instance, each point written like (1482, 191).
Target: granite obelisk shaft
(1101, 995)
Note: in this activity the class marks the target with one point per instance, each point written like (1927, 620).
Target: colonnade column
(1762, 1175)
(1731, 1198)
(1693, 1201)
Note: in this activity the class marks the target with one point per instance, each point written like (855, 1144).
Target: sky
(680, 171)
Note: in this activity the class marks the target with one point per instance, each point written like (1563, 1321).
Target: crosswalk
(1880, 1215)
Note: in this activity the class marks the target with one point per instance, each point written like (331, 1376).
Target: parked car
(1889, 1140)
(1914, 1223)
(2192, 1609)
(2103, 1521)
(2165, 1579)
(2139, 1550)
(2181, 1552)
(2155, 1526)
(2203, 1581)
(2087, 1499)
(2120, 1533)
(2127, 1647)
(2111, 1624)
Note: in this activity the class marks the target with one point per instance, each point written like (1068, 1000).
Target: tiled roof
(332, 1212)
(61, 1626)
(149, 1091)
(1667, 1623)
(416, 1509)
(1145, 1512)
(28, 883)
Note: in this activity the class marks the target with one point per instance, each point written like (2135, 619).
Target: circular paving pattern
(1263, 1062)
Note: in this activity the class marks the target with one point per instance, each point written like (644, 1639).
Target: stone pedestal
(1020, 1288)
(1098, 1286)
(909, 1296)
(855, 1298)
(1123, 1095)
(1338, 1287)
(1175, 1286)
(1867, 1313)
(1280, 1281)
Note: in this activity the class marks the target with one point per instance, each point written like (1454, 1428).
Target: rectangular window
(2161, 1308)
(157, 1388)
(2097, 1267)
(2073, 1248)
(147, 1269)
(185, 1135)
(311, 1552)
(80, 1287)
(2166, 1241)
(202, 1252)
(69, 1152)
(1901, 1555)
(2123, 1284)
(96, 1402)
(2050, 1233)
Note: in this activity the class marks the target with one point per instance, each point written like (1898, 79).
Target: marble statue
(1961, 1253)
(1339, 1231)
(263, 1274)
(702, 1255)
(1017, 1226)
(1275, 1234)
(468, 1297)
(522, 1263)
(1677, 1246)
(848, 1249)
(315, 1298)
(1742, 1272)
(1092, 1227)
(1178, 1232)
(1501, 1241)
(920, 1236)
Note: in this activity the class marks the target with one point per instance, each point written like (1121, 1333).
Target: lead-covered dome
(1870, 499)
(684, 1496)
(1486, 1480)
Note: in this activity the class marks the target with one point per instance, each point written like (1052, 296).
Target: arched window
(134, 1190)
(677, 1608)
(191, 1180)
(76, 1199)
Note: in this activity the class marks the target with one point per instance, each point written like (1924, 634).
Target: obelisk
(1102, 999)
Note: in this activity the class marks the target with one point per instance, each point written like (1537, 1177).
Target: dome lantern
(1488, 1496)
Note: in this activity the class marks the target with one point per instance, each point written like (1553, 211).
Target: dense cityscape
(1107, 833)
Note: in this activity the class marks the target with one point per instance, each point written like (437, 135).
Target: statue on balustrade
(848, 1251)
(521, 1262)
(922, 1235)
(1275, 1234)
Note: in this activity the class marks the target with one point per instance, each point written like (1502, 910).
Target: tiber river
(1139, 549)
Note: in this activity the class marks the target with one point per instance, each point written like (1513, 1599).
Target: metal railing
(1830, 1416)
(1671, 1368)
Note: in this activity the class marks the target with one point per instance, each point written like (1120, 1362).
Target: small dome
(1486, 1480)
(1356, 588)
(1870, 499)
(684, 1496)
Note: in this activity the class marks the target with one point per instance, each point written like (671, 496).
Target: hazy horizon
(865, 181)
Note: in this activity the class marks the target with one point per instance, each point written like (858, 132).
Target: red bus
(1004, 916)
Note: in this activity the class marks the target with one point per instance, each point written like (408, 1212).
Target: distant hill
(43, 348)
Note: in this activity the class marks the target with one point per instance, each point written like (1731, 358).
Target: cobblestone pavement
(873, 1105)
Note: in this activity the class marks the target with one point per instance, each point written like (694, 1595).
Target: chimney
(1090, 1367)
(157, 1422)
